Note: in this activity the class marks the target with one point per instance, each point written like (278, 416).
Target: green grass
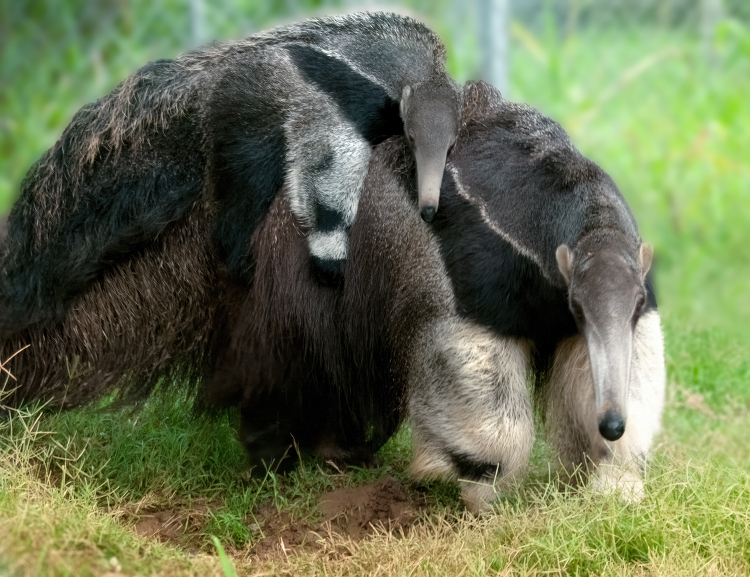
(71, 485)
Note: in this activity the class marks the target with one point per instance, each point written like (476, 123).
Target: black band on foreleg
(327, 219)
(471, 469)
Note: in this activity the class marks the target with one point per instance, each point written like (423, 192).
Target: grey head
(431, 113)
(607, 296)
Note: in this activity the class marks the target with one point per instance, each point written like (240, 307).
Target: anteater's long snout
(430, 169)
(610, 367)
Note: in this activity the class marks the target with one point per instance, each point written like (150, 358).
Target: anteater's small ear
(404, 106)
(646, 257)
(564, 258)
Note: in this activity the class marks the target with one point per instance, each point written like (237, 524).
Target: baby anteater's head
(431, 113)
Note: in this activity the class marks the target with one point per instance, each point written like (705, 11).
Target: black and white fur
(304, 104)
(297, 107)
(457, 325)
(543, 252)
(452, 325)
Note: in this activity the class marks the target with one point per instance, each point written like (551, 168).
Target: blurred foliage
(637, 13)
(644, 87)
(662, 109)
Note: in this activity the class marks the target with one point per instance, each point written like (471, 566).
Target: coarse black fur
(323, 93)
(368, 106)
(248, 158)
(95, 197)
(544, 193)
(541, 179)
(307, 362)
(153, 318)
(213, 126)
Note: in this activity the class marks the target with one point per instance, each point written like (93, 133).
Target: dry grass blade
(2, 364)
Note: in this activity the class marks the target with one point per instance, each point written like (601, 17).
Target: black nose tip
(612, 426)
(428, 213)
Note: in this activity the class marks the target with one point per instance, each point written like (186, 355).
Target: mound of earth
(349, 513)
(356, 512)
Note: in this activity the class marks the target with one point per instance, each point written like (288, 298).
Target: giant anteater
(533, 272)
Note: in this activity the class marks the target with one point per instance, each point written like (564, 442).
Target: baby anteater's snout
(428, 213)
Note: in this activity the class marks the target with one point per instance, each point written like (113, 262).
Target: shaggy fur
(452, 322)
(152, 319)
(95, 198)
(448, 324)
(227, 124)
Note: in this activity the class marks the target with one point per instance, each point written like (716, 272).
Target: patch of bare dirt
(162, 525)
(356, 512)
(280, 535)
(347, 513)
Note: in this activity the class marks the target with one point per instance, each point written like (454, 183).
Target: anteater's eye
(640, 304)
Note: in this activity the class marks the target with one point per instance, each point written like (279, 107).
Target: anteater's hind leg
(571, 423)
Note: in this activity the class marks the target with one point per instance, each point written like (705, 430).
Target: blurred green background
(656, 92)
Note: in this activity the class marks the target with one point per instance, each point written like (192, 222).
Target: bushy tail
(149, 321)
(125, 168)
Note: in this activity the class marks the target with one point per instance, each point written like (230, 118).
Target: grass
(669, 126)
(73, 484)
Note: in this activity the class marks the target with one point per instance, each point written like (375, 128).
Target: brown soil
(280, 535)
(356, 512)
(162, 525)
(347, 513)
